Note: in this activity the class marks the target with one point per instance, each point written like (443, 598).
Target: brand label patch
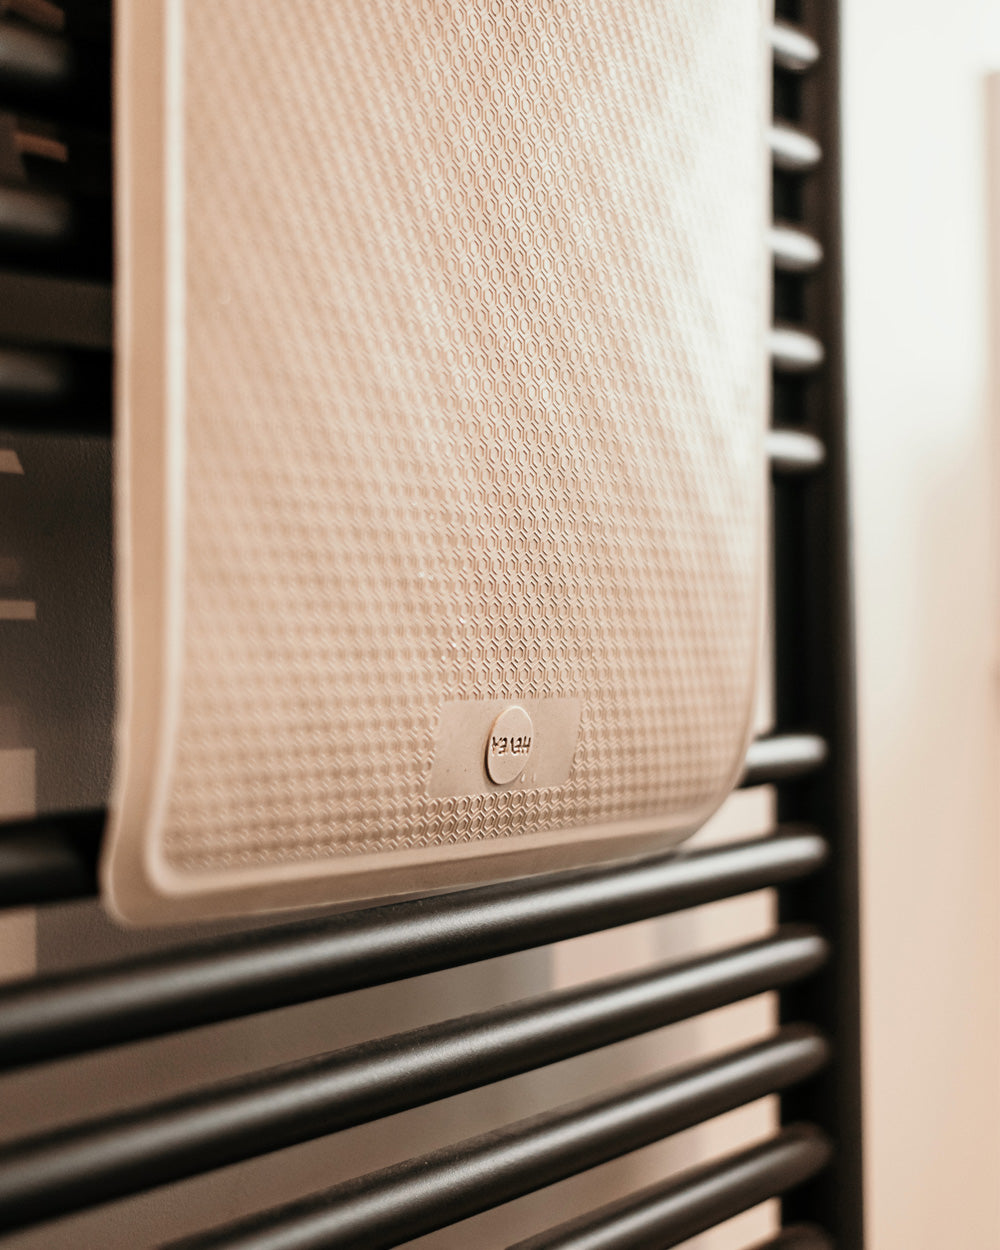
(517, 744)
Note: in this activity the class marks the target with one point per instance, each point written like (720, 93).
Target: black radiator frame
(813, 961)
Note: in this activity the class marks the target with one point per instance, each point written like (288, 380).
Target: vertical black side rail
(815, 675)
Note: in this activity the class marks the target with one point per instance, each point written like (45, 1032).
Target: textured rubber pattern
(458, 315)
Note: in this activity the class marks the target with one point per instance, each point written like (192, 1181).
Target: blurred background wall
(924, 454)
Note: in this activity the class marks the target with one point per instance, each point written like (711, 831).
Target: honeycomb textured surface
(473, 408)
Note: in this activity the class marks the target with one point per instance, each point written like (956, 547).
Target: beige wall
(923, 446)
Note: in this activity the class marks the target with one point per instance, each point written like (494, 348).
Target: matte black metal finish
(794, 350)
(400, 1203)
(66, 1170)
(249, 972)
(792, 48)
(35, 221)
(48, 861)
(39, 309)
(665, 1215)
(47, 392)
(793, 453)
(32, 377)
(793, 150)
(815, 682)
(35, 65)
(781, 757)
(793, 249)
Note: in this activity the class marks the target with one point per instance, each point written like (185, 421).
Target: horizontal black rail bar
(665, 1215)
(23, 875)
(40, 309)
(72, 1168)
(782, 758)
(34, 378)
(52, 391)
(35, 65)
(90, 417)
(88, 420)
(36, 220)
(55, 61)
(794, 453)
(49, 860)
(244, 973)
(792, 150)
(400, 1203)
(794, 250)
(795, 351)
(801, 1237)
(792, 48)
(47, 15)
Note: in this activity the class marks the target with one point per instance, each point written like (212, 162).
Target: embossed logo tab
(484, 743)
(509, 745)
